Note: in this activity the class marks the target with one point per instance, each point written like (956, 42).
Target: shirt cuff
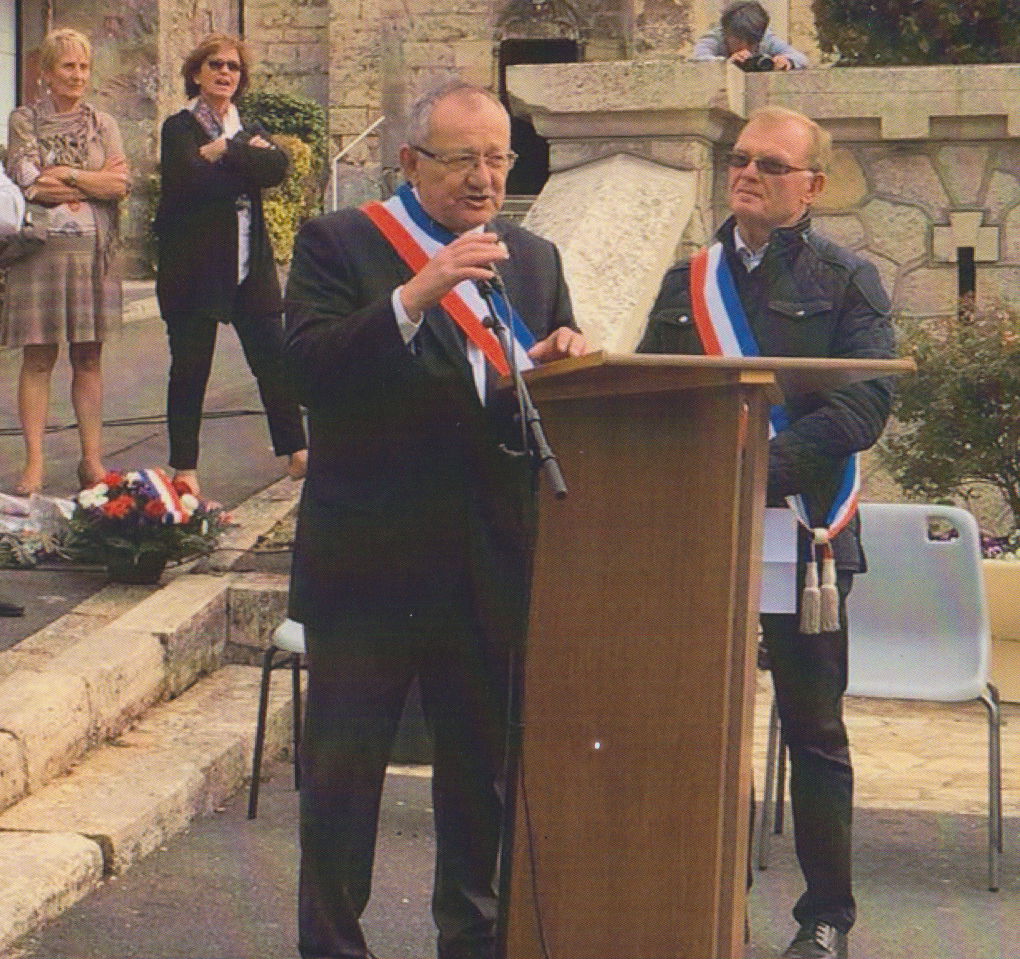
(408, 328)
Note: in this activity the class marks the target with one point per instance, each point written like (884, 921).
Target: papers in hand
(779, 561)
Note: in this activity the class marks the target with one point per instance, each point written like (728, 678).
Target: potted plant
(136, 522)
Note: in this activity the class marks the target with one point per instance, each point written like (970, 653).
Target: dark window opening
(966, 275)
(532, 168)
(965, 270)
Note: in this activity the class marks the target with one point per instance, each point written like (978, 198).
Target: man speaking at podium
(414, 530)
(771, 286)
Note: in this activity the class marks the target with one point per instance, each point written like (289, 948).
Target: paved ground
(237, 460)
(225, 890)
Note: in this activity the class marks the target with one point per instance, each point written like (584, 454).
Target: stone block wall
(910, 207)
(290, 43)
(927, 162)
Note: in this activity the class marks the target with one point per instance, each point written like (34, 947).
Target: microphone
(493, 285)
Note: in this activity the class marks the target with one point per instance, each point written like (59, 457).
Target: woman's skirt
(58, 295)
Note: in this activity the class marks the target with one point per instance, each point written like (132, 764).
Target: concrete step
(516, 206)
(125, 718)
(126, 798)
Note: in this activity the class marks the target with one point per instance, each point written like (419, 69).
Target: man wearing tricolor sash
(769, 285)
(415, 526)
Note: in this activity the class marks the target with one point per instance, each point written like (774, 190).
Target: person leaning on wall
(215, 260)
(743, 37)
(67, 157)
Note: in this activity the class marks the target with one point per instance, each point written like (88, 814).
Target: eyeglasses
(215, 64)
(463, 162)
(737, 160)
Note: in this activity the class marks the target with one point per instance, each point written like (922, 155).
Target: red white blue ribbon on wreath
(158, 485)
(417, 238)
(724, 330)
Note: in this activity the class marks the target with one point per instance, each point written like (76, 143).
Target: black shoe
(7, 608)
(817, 940)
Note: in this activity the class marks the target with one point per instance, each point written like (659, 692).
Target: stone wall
(290, 43)
(927, 162)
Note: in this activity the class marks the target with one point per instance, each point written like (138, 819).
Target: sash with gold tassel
(724, 330)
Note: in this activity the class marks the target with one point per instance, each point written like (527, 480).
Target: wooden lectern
(632, 806)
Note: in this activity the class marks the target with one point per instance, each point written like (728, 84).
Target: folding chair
(918, 630)
(289, 639)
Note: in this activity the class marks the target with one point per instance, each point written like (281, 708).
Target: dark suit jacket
(410, 502)
(196, 223)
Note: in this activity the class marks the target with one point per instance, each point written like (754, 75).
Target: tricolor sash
(417, 238)
(724, 330)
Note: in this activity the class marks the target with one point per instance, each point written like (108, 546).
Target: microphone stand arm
(545, 457)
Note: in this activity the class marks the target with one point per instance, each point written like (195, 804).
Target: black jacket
(196, 223)
(411, 502)
(809, 297)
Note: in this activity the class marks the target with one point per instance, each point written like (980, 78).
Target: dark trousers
(809, 674)
(356, 692)
(192, 340)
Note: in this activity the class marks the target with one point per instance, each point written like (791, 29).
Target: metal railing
(360, 138)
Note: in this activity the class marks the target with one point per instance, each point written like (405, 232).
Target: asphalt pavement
(226, 889)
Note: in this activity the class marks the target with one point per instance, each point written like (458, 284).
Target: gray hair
(419, 116)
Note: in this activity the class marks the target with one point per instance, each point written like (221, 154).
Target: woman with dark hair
(215, 261)
(67, 156)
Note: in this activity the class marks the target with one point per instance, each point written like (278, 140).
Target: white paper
(779, 561)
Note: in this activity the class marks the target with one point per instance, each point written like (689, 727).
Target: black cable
(536, 906)
(155, 419)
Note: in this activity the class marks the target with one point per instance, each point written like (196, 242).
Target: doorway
(532, 169)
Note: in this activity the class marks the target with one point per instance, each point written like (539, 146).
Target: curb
(130, 716)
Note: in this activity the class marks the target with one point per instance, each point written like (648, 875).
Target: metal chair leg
(991, 700)
(771, 754)
(295, 673)
(781, 765)
(260, 733)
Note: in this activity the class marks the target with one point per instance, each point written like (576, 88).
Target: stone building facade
(359, 60)
(927, 178)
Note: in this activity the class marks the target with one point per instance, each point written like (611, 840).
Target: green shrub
(896, 32)
(291, 115)
(957, 422)
(288, 205)
(298, 125)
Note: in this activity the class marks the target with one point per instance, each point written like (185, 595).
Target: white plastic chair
(918, 630)
(289, 639)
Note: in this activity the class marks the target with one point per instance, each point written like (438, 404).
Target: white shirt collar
(750, 258)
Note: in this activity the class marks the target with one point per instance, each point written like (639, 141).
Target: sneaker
(817, 940)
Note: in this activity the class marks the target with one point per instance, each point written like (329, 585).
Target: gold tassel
(811, 598)
(829, 594)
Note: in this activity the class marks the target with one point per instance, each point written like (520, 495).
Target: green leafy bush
(298, 125)
(288, 205)
(897, 32)
(290, 115)
(958, 420)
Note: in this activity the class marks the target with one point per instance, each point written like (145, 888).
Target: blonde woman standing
(67, 156)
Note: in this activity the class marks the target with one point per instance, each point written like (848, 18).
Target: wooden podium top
(603, 373)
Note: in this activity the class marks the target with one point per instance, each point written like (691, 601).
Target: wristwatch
(72, 178)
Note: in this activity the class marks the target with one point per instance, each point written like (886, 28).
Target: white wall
(8, 63)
